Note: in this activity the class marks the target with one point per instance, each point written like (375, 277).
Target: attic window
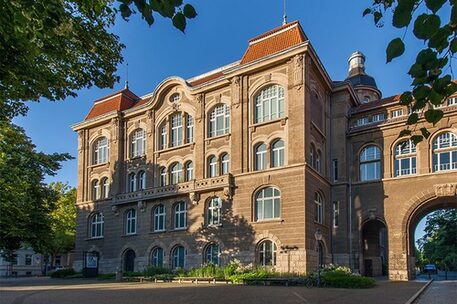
(366, 98)
(175, 98)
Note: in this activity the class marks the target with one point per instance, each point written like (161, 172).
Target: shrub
(207, 271)
(63, 273)
(339, 279)
(152, 271)
(106, 276)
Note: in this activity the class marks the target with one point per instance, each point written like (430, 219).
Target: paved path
(439, 292)
(52, 291)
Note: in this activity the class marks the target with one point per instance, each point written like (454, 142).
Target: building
(250, 160)
(26, 263)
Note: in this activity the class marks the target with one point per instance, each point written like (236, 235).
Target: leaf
(125, 11)
(426, 56)
(425, 132)
(417, 71)
(189, 11)
(421, 92)
(416, 139)
(440, 40)
(366, 12)
(402, 14)
(453, 46)
(395, 48)
(433, 115)
(404, 132)
(412, 119)
(377, 16)
(434, 5)
(406, 98)
(426, 25)
(179, 21)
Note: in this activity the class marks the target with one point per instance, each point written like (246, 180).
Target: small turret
(364, 85)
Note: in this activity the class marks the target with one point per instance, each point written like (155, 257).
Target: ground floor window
(157, 257)
(267, 253)
(177, 257)
(212, 253)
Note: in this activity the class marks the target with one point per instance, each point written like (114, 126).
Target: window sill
(139, 157)
(283, 121)
(180, 229)
(174, 148)
(157, 232)
(98, 165)
(214, 225)
(129, 235)
(95, 238)
(226, 135)
(275, 220)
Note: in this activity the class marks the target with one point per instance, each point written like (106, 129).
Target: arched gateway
(401, 233)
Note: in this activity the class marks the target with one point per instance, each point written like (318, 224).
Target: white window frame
(175, 257)
(214, 212)
(219, 120)
(262, 202)
(444, 143)
(260, 157)
(336, 214)
(130, 222)
(159, 218)
(189, 129)
(277, 153)
(105, 187)
(131, 182)
(225, 164)
(405, 150)
(369, 161)
(269, 104)
(100, 151)
(266, 248)
(396, 113)
(138, 143)
(212, 253)
(378, 117)
(155, 257)
(176, 130)
(189, 171)
(96, 190)
(162, 177)
(335, 169)
(363, 121)
(319, 208)
(141, 177)
(212, 166)
(452, 101)
(180, 216)
(163, 137)
(97, 223)
(175, 173)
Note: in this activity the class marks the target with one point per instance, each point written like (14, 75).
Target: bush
(206, 271)
(106, 276)
(339, 279)
(152, 271)
(63, 273)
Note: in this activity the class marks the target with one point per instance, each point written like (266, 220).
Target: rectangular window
(378, 117)
(396, 113)
(28, 259)
(176, 130)
(163, 137)
(336, 213)
(362, 121)
(335, 169)
(452, 101)
(190, 129)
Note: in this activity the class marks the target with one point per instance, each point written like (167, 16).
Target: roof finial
(284, 16)
(127, 76)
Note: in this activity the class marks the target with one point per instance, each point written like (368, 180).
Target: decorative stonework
(446, 189)
(236, 100)
(115, 209)
(194, 197)
(228, 193)
(267, 78)
(142, 206)
(298, 71)
(200, 107)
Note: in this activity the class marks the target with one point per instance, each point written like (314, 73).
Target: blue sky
(219, 36)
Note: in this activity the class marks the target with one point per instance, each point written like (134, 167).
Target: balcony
(194, 187)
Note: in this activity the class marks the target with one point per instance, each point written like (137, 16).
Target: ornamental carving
(115, 209)
(194, 197)
(446, 189)
(228, 193)
(298, 70)
(236, 91)
(142, 206)
(200, 107)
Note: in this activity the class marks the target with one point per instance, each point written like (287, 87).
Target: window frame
(131, 222)
(212, 253)
(132, 182)
(260, 157)
(178, 212)
(212, 166)
(214, 212)
(365, 164)
(176, 173)
(260, 201)
(318, 208)
(269, 105)
(225, 164)
(159, 215)
(100, 151)
(220, 114)
(155, 257)
(97, 225)
(277, 154)
(410, 156)
(176, 258)
(441, 147)
(176, 130)
(263, 251)
(138, 143)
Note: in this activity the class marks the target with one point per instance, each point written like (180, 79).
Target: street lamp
(318, 236)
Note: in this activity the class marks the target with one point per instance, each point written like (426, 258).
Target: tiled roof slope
(206, 79)
(376, 103)
(118, 101)
(274, 41)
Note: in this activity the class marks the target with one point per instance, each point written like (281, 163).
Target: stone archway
(129, 260)
(374, 248)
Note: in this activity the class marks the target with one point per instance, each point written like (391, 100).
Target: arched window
(212, 253)
(138, 143)
(130, 222)
(157, 257)
(268, 204)
(175, 173)
(159, 218)
(163, 177)
(176, 130)
(212, 166)
(277, 154)
(105, 187)
(219, 120)
(405, 158)
(370, 163)
(163, 136)
(260, 157)
(312, 156)
(180, 215)
(141, 177)
(100, 151)
(95, 190)
(445, 152)
(214, 211)
(132, 182)
(189, 129)
(318, 161)
(225, 164)
(189, 171)
(267, 253)
(178, 255)
(97, 223)
(269, 104)
(318, 208)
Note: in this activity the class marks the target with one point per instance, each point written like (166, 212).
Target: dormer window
(362, 121)
(396, 113)
(378, 117)
(452, 101)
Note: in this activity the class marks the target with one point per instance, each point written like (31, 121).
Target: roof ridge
(274, 31)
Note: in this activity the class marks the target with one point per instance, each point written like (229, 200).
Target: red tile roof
(206, 79)
(118, 101)
(274, 41)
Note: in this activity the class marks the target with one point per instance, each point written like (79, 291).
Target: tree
(431, 83)
(63, 220)
(52, 48)
(25, 201)
(439, 243)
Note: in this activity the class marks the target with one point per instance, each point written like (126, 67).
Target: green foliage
(340, 279)
(439, 243)
(151, 271)
(430, 85)
(207, 271)
(52, 48)
(63, 220)
(25, 201)
(106, 276)
(63, 273)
